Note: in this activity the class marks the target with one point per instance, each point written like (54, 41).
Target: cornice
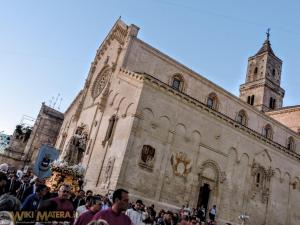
(73, 102)
(218, 115)
(265, 82)
(284, 110)
(265, 54)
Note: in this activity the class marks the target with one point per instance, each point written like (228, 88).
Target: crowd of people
(29, 193)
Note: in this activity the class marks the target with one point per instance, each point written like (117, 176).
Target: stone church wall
(144, 58)
(216, 153)
(165, 145)
(103, 160)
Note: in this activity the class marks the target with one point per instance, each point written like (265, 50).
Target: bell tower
(262, 86)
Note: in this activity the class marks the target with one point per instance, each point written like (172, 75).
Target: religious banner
(46, 156)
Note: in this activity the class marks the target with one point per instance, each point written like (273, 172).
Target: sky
(46, 47)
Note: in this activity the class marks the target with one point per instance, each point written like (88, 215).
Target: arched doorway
(208, 185)
(203, 196)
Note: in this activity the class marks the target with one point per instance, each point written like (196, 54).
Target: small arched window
(177, 82)
(268, 131)
(273, 72)
(110, 130)
(255, 70)
(249, 99)
(212, 101)
(257, 180)
(272, 103)
(242, 117)
(290, 144)
(252, 100)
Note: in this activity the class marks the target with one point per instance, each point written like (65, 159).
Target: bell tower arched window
(272, 103)
(252, 100)
(255, 70)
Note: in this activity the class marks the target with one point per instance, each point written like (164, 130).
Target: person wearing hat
(136, 213)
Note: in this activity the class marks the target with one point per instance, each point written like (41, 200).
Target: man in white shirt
(212, 213)
(135, 214)
(83, 208)
(187, 210)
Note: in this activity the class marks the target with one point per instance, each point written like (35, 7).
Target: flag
(45, 157)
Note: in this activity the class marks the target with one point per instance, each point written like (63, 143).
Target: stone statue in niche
(75, 150)
(109, 169)
(181, 164)
(147, 157)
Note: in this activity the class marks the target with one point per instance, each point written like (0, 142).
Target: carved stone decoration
(114, 65)
(261, 182)
(119, 33)
(223, 177)
(104, 98)
(100, 82)
(109, 169)
(147, 157)
(154, 125)
(78, 110)
(76, 148)
(181, 164)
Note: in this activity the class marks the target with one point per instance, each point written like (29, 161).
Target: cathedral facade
(171, 137)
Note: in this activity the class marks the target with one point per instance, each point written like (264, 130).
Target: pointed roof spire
(266, 46)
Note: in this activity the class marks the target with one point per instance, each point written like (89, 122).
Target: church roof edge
(284, 109)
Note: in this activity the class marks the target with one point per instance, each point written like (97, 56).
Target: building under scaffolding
(4, 141)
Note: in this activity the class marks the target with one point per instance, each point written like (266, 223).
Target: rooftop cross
(268, 33)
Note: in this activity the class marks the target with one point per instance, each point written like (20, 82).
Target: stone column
(134, 131)
(287, 222)
(163, 166)
(194, 190)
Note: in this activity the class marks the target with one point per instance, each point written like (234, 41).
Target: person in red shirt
(87, 216)
(114, 215)
(60, 203)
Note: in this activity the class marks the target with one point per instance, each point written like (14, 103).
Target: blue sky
(46, 47)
